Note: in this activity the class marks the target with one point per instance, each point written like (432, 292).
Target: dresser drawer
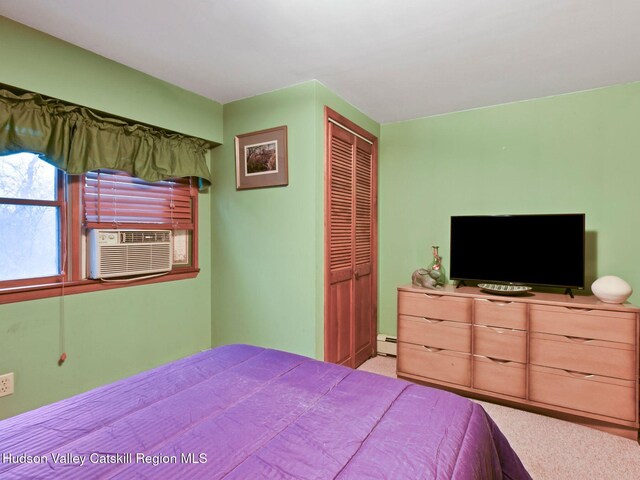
(500, 313)
(435, 333)
(434, 306)
(584, 355)
(506, 378)
(587, 393)
(443, 365)
(596, 324)
(500, 343)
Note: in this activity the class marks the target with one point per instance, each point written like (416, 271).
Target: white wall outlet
(6, 384)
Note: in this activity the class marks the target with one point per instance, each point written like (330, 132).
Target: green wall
(267, 258)
(563, 154)
(38, 62)
(111, 334)
(263, 240)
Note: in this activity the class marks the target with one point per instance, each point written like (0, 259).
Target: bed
(244, 412)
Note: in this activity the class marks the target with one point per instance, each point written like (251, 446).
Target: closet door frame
(330, 346)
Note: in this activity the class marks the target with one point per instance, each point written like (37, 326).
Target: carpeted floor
(550, 448)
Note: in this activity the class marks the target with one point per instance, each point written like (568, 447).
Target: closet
(350, 241)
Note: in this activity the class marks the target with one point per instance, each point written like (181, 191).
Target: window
(114, 199)
(31, 219)
(36, 199)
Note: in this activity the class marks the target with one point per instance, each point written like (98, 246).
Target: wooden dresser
(572, 358)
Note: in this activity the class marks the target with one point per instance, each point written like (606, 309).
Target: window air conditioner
(117, 253)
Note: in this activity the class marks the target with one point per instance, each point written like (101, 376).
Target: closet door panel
(341, 246)
(341, 205)
(340, 325)
(363, 199)
(363, 326)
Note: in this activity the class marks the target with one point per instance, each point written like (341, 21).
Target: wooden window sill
(34, 292)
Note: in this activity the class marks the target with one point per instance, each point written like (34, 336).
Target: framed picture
(261, 159)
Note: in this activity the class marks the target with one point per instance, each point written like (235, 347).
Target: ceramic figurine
(431, 277)
(425, 278)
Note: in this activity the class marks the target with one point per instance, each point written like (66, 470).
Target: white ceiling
(393, 59)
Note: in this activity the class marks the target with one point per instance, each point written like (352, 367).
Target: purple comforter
(242, 412)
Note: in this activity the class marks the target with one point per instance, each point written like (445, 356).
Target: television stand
(572, 358)
(461, 284)
(569, 291)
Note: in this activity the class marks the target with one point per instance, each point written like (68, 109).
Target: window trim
(48, 290)
(72, 230)
(191, 227)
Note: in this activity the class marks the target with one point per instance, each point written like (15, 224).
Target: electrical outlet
(6, 384)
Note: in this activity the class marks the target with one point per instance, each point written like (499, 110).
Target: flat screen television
(543, 250)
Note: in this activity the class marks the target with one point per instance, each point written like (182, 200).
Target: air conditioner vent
(117, 253)
(144, 236)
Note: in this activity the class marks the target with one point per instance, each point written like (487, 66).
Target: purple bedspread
(243, 412)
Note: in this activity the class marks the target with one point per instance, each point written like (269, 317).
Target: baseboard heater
(387, 345)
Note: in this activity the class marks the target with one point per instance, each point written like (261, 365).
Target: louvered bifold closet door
(350, 317)
(341, 248)
(363, 305)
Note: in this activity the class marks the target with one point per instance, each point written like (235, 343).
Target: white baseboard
(387, 345)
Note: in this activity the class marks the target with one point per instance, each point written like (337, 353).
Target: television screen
(523, 249)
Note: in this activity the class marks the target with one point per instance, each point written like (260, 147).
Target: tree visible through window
(30, 210)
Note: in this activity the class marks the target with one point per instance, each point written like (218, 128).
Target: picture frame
(261, 159)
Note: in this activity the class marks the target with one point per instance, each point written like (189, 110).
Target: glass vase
(436, 269)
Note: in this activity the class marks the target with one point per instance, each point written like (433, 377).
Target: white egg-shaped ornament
(611, 289)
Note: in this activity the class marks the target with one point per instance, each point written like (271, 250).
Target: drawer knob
(579, 374)
(497, 330)
(431, 320)
(431, 349)
(498, 361)
(579, 339)
(431, 295)
(499, 303)
(578, 309)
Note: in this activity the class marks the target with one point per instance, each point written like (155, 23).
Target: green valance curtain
(77, 140)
